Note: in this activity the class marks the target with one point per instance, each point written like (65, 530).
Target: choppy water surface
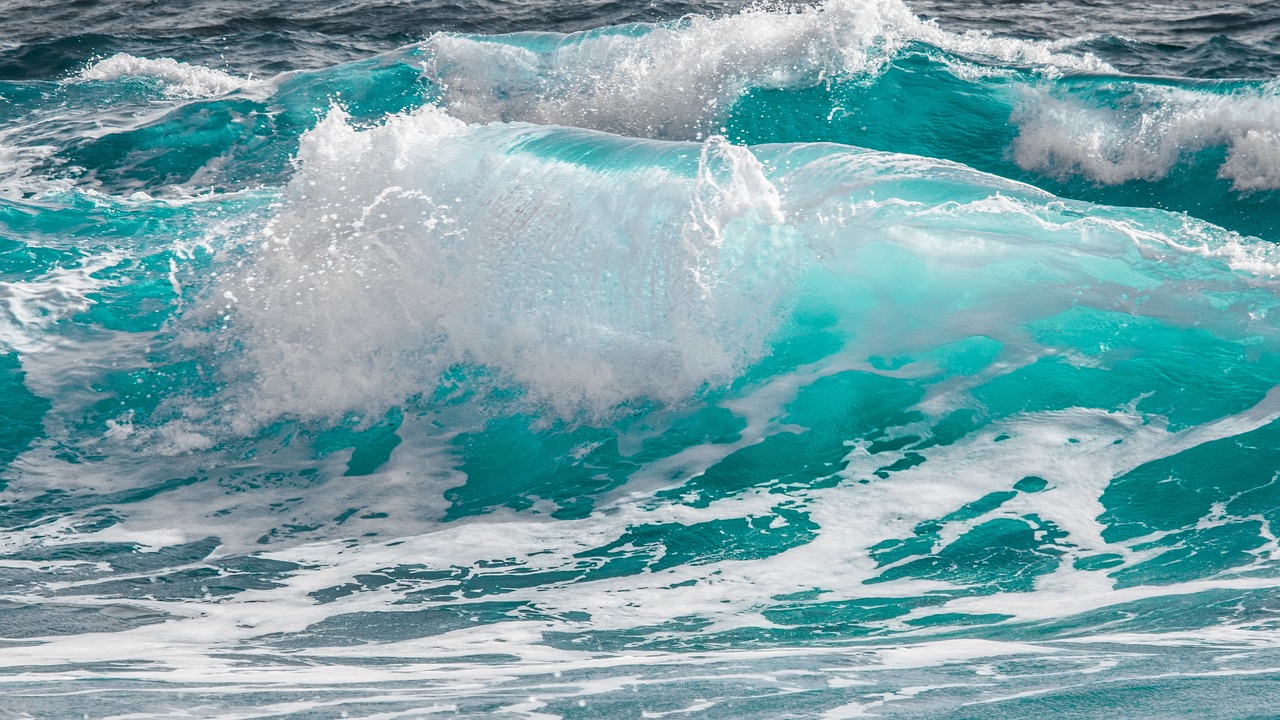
(388, 359)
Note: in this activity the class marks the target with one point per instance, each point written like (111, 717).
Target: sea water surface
(402, 358)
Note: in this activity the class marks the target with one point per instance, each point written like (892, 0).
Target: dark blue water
(1200, 39)
(611, 360)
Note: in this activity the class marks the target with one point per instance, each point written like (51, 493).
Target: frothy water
(574, 266)
(180, 79)
(786, 362)
(1121, 132)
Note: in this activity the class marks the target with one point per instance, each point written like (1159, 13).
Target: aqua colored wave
(812, 316)
(932, 371)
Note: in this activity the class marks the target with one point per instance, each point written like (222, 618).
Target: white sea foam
(1149, 131)
(181, 79)
(30, 308)
(405, 248)
(204, 645)
(19, 174)
(679, 80)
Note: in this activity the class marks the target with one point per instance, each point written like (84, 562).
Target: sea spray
(589, 270)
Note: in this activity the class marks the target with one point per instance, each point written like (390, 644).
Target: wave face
(820, 361)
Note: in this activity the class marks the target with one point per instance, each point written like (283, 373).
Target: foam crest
(680, 80)
(182, 80)
(1127, 131)
(589, 270)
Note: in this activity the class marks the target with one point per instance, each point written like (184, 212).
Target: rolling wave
(814, 361)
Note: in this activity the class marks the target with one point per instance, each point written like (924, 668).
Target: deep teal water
(809, 362)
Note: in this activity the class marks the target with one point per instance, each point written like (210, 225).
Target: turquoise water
(821, 362)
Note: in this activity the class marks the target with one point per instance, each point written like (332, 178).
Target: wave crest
(404, 249)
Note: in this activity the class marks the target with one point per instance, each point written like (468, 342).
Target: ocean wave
(435, 321)
(593, 272)
(1039, 111)
(775, 372)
